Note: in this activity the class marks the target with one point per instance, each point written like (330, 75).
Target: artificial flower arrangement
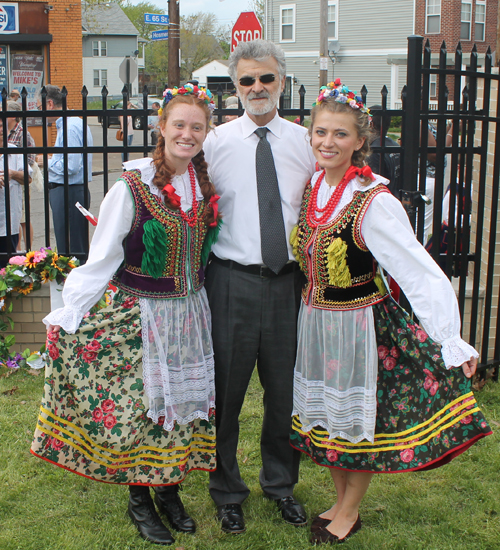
(24, 274)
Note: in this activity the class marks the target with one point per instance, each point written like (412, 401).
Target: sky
(226, 11)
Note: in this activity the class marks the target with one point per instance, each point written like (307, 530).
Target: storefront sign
(3, 68)
(27, 72)
(9, 18)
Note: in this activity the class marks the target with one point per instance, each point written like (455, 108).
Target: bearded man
(259, 164)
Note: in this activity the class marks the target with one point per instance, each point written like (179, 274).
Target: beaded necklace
(312, 219)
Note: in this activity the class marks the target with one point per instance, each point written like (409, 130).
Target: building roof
(106, 18)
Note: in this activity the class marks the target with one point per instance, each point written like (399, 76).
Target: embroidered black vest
(184, 245)
(340, 269)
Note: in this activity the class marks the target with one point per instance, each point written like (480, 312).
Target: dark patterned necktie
(272, 227)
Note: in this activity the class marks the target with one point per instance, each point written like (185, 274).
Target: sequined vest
(184, 245)
(340, 269)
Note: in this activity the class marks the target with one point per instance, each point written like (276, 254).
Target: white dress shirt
(230, 152)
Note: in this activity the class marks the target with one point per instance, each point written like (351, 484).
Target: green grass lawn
(43, 507)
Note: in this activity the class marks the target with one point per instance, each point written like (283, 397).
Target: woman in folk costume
(374, 392)
(129, 393)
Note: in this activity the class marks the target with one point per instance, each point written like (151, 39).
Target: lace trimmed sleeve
(86, 284)
(388, 234)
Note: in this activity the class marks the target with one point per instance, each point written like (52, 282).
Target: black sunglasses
(250, 80)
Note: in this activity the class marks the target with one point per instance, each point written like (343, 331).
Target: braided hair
(164, 172)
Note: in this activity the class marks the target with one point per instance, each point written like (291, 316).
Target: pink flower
(2, 271)
(383, 352)
(182, 467)
(161, 420)
(57, 444)
(407, 455)
(331, 455)
(108, 406)
(97, 415)
(308, 441)
(109, 421)
(53, 336)
(389, 363)
(395, 352)
(93, 346)
(17, 260)
(111, 471)
(99, 333)
(434, 388)
(466, 420)
(53, 352)
(89, 356)
(421, 335)
(39, 256)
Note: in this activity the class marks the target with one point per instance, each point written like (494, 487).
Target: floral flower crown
(341, 94)
(188, 89)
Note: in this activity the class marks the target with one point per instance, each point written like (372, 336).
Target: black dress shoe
(231, 517)
(292, 511)
(169, 504)
(143, 514)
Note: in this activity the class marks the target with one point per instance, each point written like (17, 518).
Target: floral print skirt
(426, 414)
(93, 418)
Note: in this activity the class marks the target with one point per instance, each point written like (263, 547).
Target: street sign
(159, 35)
(246, 29)
(127, 70)
(156, 19)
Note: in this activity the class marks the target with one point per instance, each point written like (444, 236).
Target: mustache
(264, 94)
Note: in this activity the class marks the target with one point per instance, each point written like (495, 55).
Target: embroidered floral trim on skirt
(426, 414)
(93, 418)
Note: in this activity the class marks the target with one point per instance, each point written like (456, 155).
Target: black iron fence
(461, 175)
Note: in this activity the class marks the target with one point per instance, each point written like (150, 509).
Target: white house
(214, 73)
(367, 44)
(108, 38)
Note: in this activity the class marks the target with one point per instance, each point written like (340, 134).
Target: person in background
(390, 167)
(77, 224)
(16, 138)
(259, 165)
(16, 180)
(231, 102)
(153, 119)
(14, 95)
(130, 128)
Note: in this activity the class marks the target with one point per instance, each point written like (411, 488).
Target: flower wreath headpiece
(341, 94)
(188, 89)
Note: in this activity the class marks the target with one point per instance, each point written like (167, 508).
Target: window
(479, 26)
(433, 85)
(333, 7)
(433, 17)
(465, 20)
(100, 78)
(288, 23)
(99, 48)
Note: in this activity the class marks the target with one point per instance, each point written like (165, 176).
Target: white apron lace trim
(178, 358)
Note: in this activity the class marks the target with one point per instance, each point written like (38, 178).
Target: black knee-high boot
(141, 510)
(169, 503)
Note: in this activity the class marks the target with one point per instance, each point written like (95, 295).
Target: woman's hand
(469, 367)
(53, 328)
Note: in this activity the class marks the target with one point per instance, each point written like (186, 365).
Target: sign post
(128, 73)
(246, 29)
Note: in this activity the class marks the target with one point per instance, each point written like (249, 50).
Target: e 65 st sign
(246, 29)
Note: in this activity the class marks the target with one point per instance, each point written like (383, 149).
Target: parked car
(137, 120)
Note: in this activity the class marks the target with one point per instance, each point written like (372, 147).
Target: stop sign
(246, 29)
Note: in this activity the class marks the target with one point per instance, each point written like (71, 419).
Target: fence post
(411, 129)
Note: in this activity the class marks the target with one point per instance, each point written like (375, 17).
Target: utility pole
(174, 38)
(323, 43)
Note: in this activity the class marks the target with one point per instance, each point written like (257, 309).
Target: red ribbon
(365, 172)
(173, 197)
(215, 207)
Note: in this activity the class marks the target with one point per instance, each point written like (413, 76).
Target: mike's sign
(9, 18)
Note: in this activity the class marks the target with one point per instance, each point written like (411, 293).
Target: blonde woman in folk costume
(129, 393)
(373, 392)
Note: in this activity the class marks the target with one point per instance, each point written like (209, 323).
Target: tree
(259, 8)
(201, 42)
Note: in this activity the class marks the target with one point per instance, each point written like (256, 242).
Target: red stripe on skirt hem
(114, 482)
(441, 461)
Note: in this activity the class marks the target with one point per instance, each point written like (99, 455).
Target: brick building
(41, 44)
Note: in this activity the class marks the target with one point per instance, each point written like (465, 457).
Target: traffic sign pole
(173, 44)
